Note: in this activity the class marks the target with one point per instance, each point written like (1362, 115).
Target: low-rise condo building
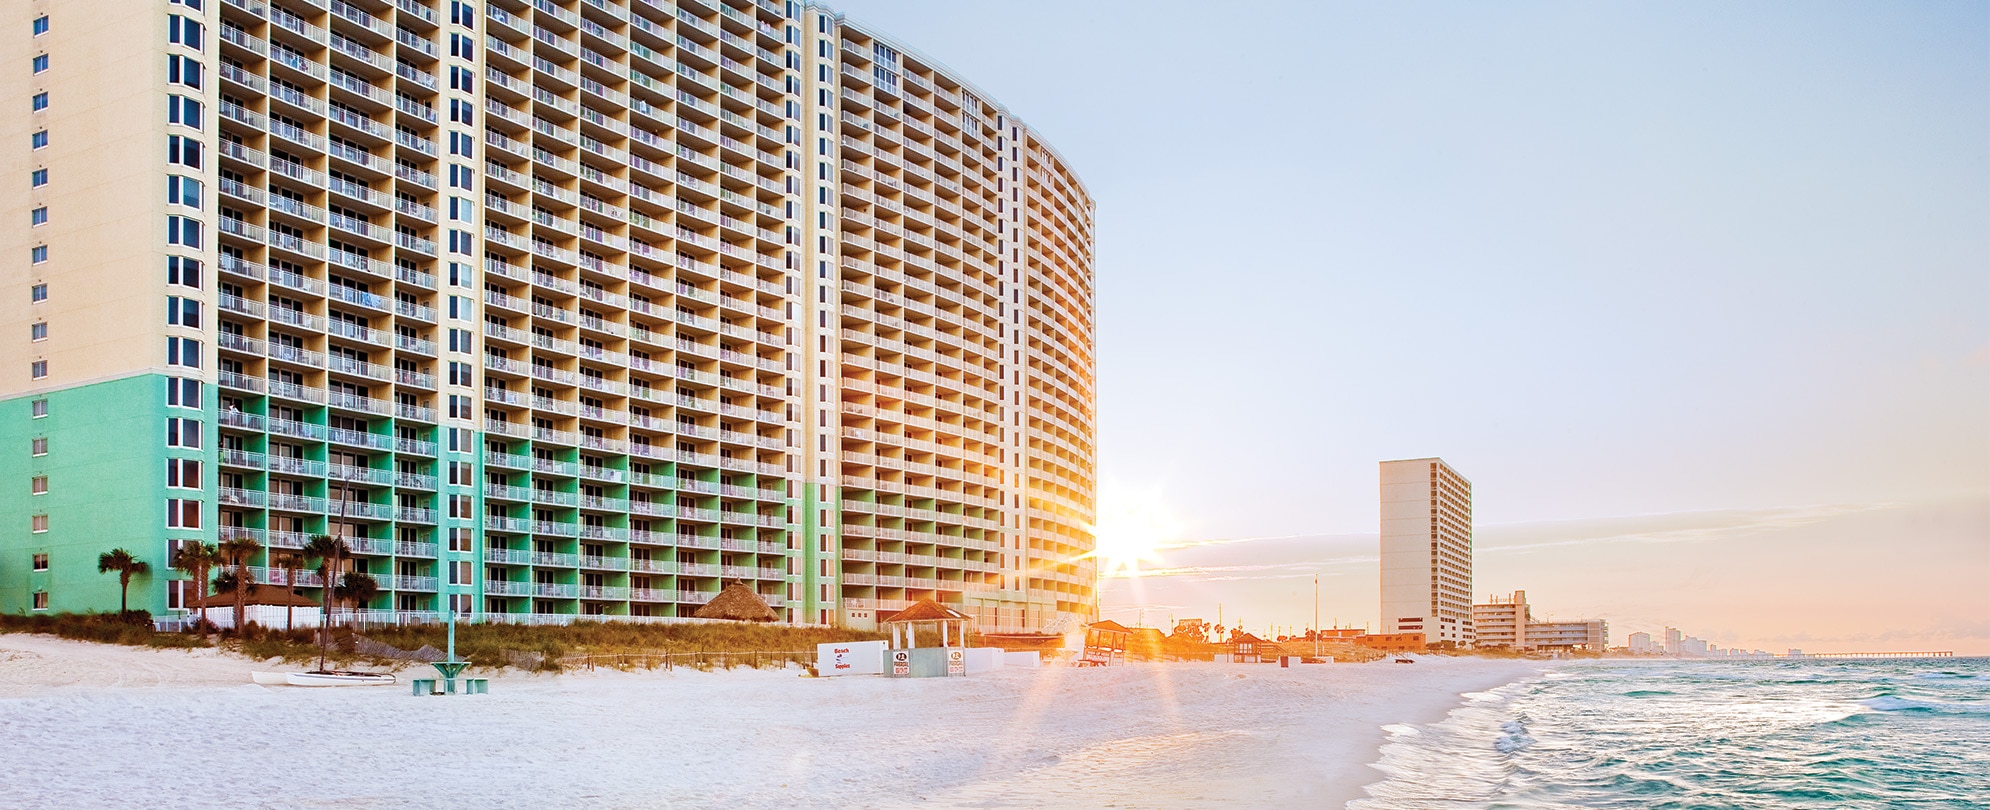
(1586, 634)
(1503, 622)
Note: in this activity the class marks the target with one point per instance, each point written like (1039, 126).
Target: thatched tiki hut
(737, 603)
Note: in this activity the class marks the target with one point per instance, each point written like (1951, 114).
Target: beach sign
(901, 663)
(956, 662)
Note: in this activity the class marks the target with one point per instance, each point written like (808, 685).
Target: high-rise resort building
(1427, 551)
(550, 308)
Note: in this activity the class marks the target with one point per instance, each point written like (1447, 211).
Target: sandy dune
(86, 725)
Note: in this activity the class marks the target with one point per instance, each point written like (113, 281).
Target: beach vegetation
(132, 628)
(127, 566)
(196, 560)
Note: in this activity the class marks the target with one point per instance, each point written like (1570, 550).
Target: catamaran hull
(339, 679)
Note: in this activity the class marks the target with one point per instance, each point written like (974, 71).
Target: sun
(1130, 532)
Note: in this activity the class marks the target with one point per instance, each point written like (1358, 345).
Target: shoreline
(1142, 735)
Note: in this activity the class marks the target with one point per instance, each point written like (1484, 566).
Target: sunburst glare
(1133, 525)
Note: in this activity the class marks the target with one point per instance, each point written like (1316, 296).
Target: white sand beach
(84, 725)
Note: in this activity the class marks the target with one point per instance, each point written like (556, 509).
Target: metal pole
(1316, 615)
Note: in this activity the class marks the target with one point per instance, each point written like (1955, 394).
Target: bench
(447, 686)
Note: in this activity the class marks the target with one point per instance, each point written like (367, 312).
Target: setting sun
(1132, 528)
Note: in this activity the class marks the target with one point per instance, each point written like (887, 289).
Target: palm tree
(196, 559)
(237, 551)
(329, 551)
(357, 589)
(293, 565)
(126, 566)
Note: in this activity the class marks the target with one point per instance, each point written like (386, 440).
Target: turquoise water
(1758, 734)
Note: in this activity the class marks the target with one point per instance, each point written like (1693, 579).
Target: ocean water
(1705, 734)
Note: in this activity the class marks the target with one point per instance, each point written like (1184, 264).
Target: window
(39, 409)
(183, 352)
(182, 513)
(38, 331)
(38, 370)
(38, 524)
(41, 63)
(38, 254)
(40, 102)
(183, 111)
(183, 151)
(183, 231)
(182, 191)
(38, 216)
(39, 139)
(182, 31)
(41, 600)
(183, 473)
(183, 433)
(41, 25)
(182, 312)
(183, 70)
(38, 446)
(38, 178)
(192, 4)
(183, 393)
(183, 271)
(38, 293)
(38, 485)
(41, 561)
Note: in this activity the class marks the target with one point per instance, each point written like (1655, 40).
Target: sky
(1696, 294)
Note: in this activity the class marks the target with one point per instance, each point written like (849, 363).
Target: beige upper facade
(99, 252)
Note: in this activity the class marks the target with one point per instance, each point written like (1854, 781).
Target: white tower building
(1427, 551)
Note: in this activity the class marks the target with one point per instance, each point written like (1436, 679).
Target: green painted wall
(814, 498)
(106, 489)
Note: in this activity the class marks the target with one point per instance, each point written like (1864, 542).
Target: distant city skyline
(1697, 294)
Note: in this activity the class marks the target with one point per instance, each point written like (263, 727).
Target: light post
(1316, 615)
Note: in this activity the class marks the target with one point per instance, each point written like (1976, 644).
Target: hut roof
(1109, 626)
(258, 595)
(925, 610)
(1246, 637)
(737, 603)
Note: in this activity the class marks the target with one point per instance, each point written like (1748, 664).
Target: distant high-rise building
(1427, 551)
(1503, 622)
(1673, 639)
(1641, 644)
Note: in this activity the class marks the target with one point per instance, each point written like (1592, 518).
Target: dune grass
(484, 645)
(133, 630)
(487, 645)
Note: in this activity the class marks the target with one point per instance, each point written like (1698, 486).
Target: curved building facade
(550, 308)
(952, 258)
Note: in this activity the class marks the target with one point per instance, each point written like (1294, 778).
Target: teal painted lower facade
(517, 527)
(104, 470)
(517, 524)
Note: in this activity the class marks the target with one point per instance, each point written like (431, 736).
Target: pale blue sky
(1608, 260)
